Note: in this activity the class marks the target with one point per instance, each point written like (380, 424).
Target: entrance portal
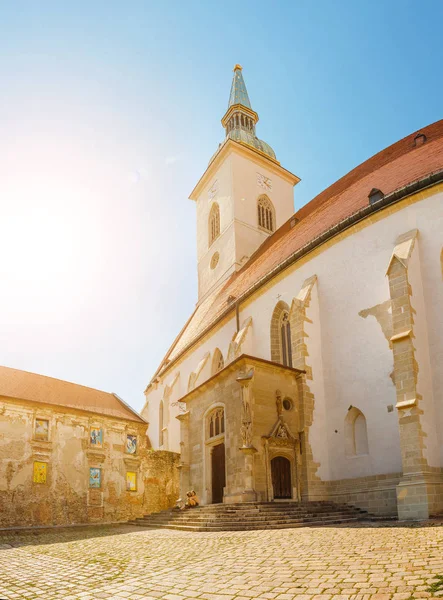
(281, 477)
(218, 473)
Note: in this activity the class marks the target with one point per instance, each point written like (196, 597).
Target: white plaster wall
(429, 222)
(314, 360)
(225, 243)
(224, 196)
(240, 236)
(353, 351)
(246, 191)
(221, 339)
(421, 345)
(150, 413)
(173, 424)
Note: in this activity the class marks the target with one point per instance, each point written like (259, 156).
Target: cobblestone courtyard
(340, 563)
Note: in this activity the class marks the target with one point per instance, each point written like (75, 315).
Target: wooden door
(218, 473)
(281, 477)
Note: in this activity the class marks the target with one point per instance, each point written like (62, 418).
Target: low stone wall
(376, 494)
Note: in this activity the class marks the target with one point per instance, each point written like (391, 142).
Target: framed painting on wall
(131, 444)
(40, 472)
(131, 481)
(41, 430)
(95, 477)
(96, 437)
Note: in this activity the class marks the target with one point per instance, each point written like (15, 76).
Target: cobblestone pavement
(337, 563)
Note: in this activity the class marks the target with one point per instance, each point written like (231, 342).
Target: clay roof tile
(23, 385)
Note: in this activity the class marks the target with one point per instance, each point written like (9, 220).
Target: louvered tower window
(266, 214)
(214, 223)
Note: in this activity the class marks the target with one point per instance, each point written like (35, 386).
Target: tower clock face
(264, 182)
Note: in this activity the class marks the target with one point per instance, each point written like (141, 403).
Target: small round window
(214, 260)
(287, 404)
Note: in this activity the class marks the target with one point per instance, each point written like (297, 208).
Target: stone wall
(54, 471)
(375, 494)
(225, 391)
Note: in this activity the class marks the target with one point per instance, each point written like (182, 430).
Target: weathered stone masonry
(66, 497)
(420, 492)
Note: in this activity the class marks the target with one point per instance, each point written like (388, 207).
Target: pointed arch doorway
(283, 464)
(281, 478)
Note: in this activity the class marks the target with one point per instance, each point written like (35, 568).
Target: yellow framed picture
(40, 472)
(131, 481)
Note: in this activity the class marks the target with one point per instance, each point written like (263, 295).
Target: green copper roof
(239, 93)
(248, 138)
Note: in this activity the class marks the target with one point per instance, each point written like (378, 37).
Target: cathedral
(310, 368)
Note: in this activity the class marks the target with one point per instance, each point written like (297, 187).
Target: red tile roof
(23, 385)
(389, 170)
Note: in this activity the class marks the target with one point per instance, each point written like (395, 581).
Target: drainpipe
(237, 314)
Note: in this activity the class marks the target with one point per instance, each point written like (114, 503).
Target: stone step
(280, 518)
(267, 510)
(252, 515)
(258, 517)
(246, 526)
(210, 525)
(269, 506)
(193, 514)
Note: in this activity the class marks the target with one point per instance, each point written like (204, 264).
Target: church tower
(243, 196)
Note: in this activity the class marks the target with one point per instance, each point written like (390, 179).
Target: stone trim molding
(418, 494)
(243, 359)
(234, 350)
(408, 194)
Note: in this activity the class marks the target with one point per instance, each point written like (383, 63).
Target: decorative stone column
(305, 313)
(420, 492)
(249, 494)
(184, 466)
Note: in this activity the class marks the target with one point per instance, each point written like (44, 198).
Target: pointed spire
(240, 120)
(239, 93)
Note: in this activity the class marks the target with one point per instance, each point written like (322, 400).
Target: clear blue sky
(109, 113)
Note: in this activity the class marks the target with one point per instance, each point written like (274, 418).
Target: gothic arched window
(217, 362)
(216, 422)
(214, 223)
(285, 339)
(356, 433)
(281, 343)
(160, 424)
(266, 213)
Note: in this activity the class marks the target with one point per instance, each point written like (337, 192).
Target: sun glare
(48, 244)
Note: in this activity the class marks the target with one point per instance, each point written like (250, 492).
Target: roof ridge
(126, 405)
(324, 213)
(57, 379)
(366, 167)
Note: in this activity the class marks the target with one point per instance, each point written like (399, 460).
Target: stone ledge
(401, 335)
(406, 403)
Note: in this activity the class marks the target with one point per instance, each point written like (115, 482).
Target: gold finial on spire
(238, 67)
